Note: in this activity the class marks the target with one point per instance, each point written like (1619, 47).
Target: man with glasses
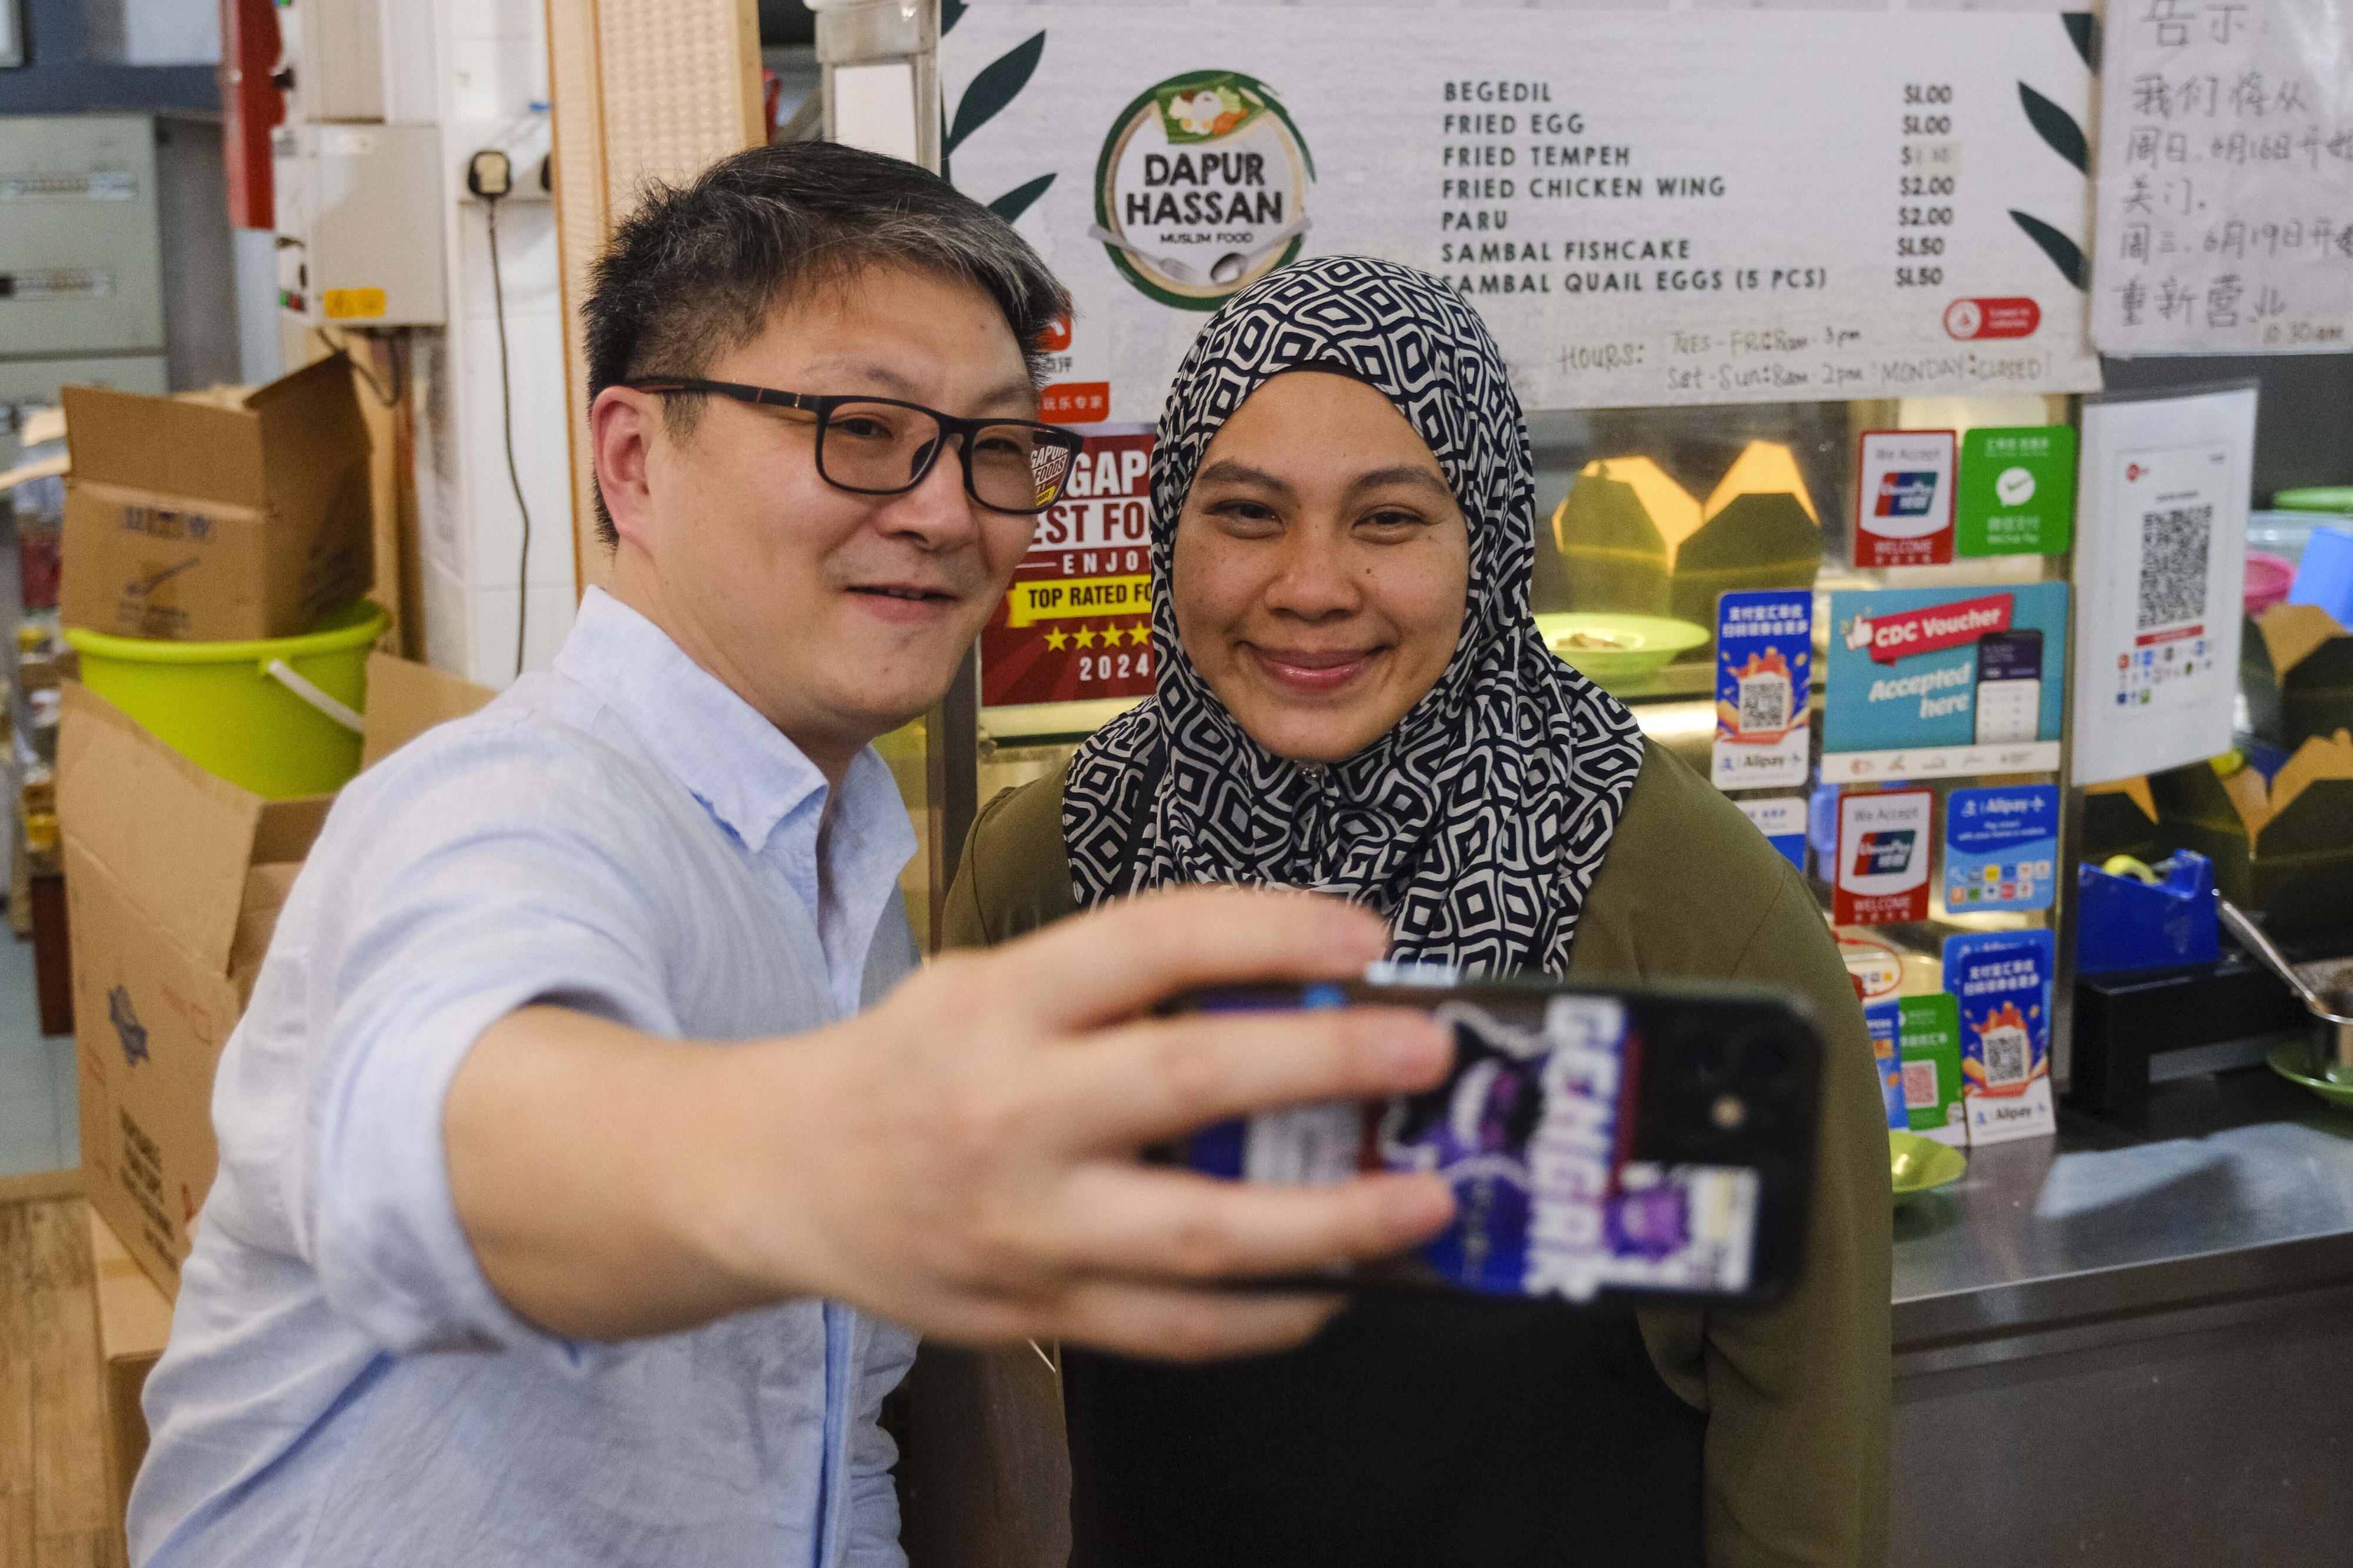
(569, 1205)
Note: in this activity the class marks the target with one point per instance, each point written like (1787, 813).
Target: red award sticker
(2009, 317)
(1077, 622)
(1882, 864)
(1074, 401)
(1904, 501)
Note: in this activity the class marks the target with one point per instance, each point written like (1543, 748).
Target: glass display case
(1644, 519)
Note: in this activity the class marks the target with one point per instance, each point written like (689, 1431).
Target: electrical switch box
(359, 225)
(27, 385)
(335, 52)
(151, 32)
(81, 260)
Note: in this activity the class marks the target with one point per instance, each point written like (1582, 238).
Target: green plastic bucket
(278, 715)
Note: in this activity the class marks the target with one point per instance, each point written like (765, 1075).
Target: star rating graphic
(1087, 635)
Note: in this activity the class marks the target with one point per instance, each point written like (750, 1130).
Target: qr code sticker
(1919, 1086)
(2173, 547)
(1764, 704)
(2006, 1050)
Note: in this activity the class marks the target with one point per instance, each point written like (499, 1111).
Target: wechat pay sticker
(1201, 189)
(2014, 487)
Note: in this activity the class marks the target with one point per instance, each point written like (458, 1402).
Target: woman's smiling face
(1320, 566)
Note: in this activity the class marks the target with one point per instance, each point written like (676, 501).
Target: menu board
(1647, 207)
(2226, 179)
(1077, 623)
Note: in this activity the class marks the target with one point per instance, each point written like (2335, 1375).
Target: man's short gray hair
(698, 268)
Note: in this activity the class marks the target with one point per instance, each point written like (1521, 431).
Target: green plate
(2292, 1060)
(1918, 1165)
(1639, 645)
(2316, 497)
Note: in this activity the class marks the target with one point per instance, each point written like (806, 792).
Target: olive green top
(1797, 1394)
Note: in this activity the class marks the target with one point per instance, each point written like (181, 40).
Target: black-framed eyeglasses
(882, 447)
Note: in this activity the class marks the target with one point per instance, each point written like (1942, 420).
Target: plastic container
(2268, 578)
(279, 716)
(2325, 575)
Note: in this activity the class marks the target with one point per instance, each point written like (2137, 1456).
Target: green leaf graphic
(2057, 127)
(2083, 27)
(992, 89)
(2063, 252)
(951, 13)
(1017, 201)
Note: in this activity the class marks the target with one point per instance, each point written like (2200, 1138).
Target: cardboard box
(2281, 848)
(135, 1320)
(2120, 818)
(2296, 667)
(405, 699)
(1636, 541)
(174, 879)
(217, 516)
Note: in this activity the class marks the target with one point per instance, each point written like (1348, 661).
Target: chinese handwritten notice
(2225, 189)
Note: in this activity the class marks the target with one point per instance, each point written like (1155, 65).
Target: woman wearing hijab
(1352, 697)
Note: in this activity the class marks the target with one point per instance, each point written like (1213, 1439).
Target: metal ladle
(2332, 1010)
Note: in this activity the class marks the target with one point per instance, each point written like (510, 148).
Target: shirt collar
(720, 748)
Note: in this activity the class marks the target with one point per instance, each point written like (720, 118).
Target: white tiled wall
(490, 90)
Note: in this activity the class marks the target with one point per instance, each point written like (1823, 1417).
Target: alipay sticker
(1885, 1020)
(1763, 669)
(2003, 983)
(2000, 847)
(1782, 820)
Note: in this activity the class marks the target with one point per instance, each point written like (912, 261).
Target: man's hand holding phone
(961, 1157)
(981, 1140)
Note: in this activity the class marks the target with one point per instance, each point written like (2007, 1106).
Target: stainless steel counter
(2133, 1343)
(2237, 1183)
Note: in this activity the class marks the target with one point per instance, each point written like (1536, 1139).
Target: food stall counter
(2157, 1315)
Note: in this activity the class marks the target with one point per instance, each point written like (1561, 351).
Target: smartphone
(1626, 1145)
(2010, 687)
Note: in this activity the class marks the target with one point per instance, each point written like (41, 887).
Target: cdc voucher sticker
(1944, 682)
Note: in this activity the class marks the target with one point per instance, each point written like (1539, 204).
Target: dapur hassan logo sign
(1202, 188)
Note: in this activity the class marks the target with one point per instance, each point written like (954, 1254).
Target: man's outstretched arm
(959, 1158)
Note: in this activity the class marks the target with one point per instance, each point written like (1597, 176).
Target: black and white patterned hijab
(1476, 824)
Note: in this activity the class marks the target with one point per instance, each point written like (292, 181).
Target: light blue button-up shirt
(626, 837)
